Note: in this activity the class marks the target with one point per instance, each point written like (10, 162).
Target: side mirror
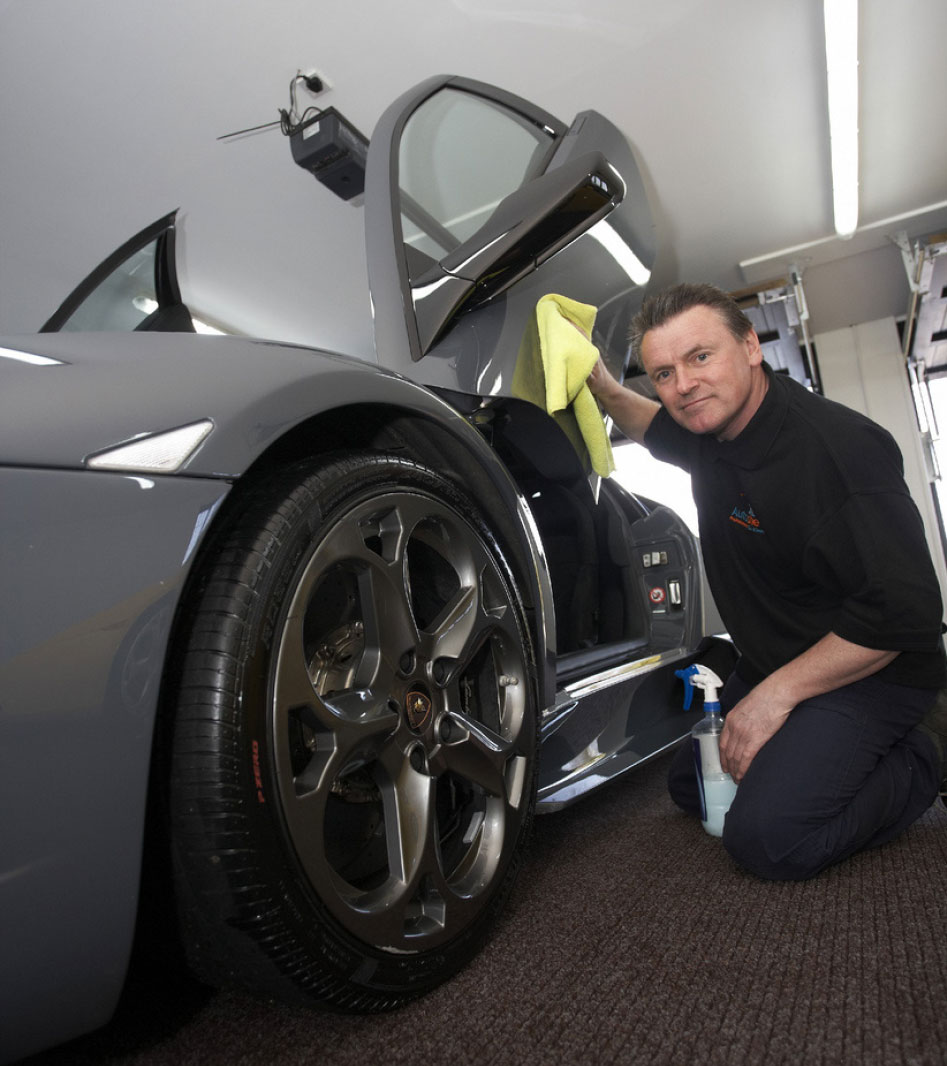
(528, 226)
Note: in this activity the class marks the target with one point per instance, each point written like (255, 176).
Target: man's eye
(701, 356)
(662, 375)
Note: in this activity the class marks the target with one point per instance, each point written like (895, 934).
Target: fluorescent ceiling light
(841, 54)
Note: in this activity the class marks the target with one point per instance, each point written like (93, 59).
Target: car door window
(460, 155)
(134, 288)
(123, 300)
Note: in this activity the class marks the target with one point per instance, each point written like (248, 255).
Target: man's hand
(601, 381)
(746, 729)
(632, 412)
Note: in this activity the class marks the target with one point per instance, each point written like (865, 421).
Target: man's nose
(684, 380)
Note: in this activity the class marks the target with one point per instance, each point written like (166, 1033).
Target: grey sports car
(340, 626)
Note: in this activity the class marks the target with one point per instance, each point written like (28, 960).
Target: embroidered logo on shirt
(744, 516)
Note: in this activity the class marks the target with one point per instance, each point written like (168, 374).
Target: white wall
(862, 367)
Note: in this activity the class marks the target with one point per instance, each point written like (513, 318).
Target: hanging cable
(289, 120)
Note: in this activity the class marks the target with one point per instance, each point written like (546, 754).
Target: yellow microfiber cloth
(568, 356)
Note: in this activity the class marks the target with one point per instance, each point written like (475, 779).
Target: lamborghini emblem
(417, 709)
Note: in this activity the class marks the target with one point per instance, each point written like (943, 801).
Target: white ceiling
(110, 111)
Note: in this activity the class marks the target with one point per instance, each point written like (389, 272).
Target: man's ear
(753, 349)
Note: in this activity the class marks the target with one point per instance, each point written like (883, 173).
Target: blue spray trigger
(686, 675)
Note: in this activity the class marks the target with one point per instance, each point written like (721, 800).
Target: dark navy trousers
(847, 770)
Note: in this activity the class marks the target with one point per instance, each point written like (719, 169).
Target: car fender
(92, 572)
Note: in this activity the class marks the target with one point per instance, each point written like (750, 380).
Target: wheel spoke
(371, 543)
(298, 684)
(339, 752)
(476, 754)
(477, 611)
(360, 565)
(345, 760)
(417, 897)
(460, 628)
(389, 625)
(412, 825)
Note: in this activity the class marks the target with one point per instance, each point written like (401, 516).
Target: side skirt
(603, 725)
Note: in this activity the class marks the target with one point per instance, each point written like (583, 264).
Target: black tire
(355, 738)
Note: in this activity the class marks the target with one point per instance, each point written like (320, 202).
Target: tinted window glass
(123, 300)
(459, 156)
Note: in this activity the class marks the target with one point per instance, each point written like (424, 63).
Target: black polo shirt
(807, 527)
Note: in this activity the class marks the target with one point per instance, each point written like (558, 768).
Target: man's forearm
(830, 663)
(629, 410)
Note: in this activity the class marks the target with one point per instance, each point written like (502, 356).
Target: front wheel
(355, 737)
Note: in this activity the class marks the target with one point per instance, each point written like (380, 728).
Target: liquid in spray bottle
(716, 787)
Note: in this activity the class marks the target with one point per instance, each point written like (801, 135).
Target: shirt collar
(751, 446)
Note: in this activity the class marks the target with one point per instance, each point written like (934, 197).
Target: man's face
(709, 381)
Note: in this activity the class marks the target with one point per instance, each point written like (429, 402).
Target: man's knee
(770, 847)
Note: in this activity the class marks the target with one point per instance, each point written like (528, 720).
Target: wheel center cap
(417, 709)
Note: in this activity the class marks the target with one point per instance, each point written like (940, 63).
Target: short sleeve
(671, 443)
(874, 552)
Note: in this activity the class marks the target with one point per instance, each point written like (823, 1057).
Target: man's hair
(668, 304)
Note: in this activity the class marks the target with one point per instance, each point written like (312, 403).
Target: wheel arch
(434, 434)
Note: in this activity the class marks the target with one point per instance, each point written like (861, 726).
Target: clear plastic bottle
(716, 787)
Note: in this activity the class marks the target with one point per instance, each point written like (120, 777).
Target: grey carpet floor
(630, 938)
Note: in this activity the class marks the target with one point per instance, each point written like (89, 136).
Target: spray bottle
(716, 788)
